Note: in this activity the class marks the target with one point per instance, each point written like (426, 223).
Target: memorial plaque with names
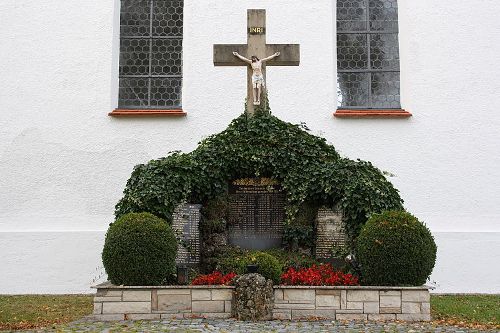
(186, 222)
(330, 232)
(256, 214)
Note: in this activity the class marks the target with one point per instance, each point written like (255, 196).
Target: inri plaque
(256, 214)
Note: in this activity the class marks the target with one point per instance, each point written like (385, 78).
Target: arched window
(367, 54)
(150, 54)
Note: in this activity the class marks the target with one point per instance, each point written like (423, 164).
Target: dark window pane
(167, 57)
(134, 18)
(167, 18)
(352, 89)
(384, 51)
(352, 51)
(166, 92)
(134, 56)
(351, 15)
(133, 92)
(385, 90)
(384, 15)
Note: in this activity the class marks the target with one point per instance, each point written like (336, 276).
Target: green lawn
(467, 310)
(26, 312)
(36, 311)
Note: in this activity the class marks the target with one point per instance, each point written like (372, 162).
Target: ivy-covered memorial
(263, 221)
(264, 200)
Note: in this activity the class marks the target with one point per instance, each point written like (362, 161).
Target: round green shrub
(237, 261)
(395, 249)
(139, 249)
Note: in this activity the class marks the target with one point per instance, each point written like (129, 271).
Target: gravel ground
(221, 326)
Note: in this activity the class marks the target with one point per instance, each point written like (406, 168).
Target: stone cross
(256, 45)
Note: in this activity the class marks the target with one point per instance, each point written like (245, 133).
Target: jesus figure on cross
(257, 76)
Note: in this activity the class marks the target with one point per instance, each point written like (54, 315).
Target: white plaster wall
(64, 162)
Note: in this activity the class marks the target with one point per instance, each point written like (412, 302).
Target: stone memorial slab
(186, 222)
(256, 214)
(330, 232)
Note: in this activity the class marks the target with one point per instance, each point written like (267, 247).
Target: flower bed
(290, 302)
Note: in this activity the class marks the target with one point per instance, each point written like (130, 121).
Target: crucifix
(256, 55)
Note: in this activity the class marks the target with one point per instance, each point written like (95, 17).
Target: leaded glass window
(367, 54)
(150, 54)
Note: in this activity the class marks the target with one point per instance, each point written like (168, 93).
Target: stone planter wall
(352, 303)
(171, 302)
(337, 303)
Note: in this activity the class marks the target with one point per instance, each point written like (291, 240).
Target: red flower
(216, 278)
(323, 275)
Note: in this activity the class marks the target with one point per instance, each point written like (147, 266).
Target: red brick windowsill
(147, 113)
(370, 113)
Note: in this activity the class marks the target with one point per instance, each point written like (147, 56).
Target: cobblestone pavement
(221, 326)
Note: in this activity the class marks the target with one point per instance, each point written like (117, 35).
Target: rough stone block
(126, 307)
(371, 307)
(390, 293)
(351, 316)
(174, 292)
(137, 316)
(282, 314)
(354, 305)
(222, 294)
(97, 308)
(109, 293)
(108, 299)
(390, 310)
(109, 317)
(415, 296)
(362, 295)
(390, 301)
(425, 308)
(227, 306)
(331, 292)
(136, 296)
(300, 295)
(294, 306)
(174, 302)
(330, 301)
(408, 307)
(201, 295)
(208, 306)
(381, 317)
(414, 317)
(313, 314)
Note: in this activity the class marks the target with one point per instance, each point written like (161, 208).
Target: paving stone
(167, 324)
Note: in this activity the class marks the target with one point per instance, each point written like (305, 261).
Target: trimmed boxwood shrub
(395, 249)
(269, 266)
(139, 249)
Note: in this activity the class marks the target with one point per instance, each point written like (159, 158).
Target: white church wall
(64, 162)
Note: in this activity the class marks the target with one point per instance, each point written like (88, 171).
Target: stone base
(113, 303)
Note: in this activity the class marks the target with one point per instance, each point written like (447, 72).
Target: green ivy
(309, 169)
